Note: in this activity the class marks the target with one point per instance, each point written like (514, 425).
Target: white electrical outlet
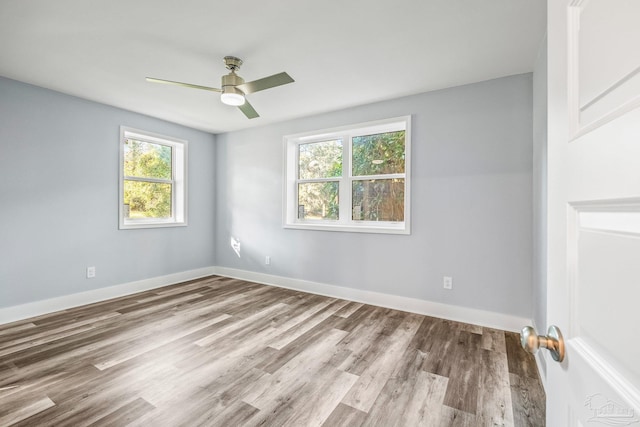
(91, 272)
(267, 260)
(447, 282)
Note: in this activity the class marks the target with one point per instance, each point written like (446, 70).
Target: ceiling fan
(234, 87)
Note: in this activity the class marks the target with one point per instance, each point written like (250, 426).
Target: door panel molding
(606, 97)
(614, 216)
(600, 228)
(627, 390)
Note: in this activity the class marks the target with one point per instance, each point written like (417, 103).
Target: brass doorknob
(553, 342)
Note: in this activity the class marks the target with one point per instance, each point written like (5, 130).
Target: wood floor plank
(252, 324)
(345, 415)
(237, 414)
(151, 343)
(452, 417)
(305, 409)
(193, 368)
(494, 340)
(261, 300)
(411, 400)
(204, 398)
(374, 377)
(73, 314)
(464, 377)
(360, 319)
(8, 416)
(224, 300)
(317, 333)
(426, 335)
(348, 309)
(224, 352)
(88, 398)
(495, 406)
(441, 344)
(228, 388)
(80, 413)
(91, 341)
(41, 339)
(521, 363)
(529, 398)
(221, 371)
(297, 371)
(54, 381)
(97, 341)
(10, 331)
(314, 318)
(162, 303)
(368, 344)
(475, 329)
(125, 414)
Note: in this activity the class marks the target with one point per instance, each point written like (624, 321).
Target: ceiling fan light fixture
(232, 96)
(233, 87)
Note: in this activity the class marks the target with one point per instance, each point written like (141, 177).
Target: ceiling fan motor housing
(231, 80)
(231, 95)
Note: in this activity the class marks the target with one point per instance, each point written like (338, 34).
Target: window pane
(147, 199)
(378, 154)
(318, 200)
(378, 200)
(147, 160)
(320, 159)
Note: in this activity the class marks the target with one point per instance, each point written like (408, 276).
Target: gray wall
(59, 198)
(471, 202)
(540, 190)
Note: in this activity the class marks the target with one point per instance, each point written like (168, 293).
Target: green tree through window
(353, 178)
(147, 168)
(375, 198)
(319, 161)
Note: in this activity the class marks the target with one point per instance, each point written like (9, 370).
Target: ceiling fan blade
(170, 82)
(266, 83)
(248, 110)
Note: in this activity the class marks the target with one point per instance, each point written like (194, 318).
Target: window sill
(150, 224)
(375, 229)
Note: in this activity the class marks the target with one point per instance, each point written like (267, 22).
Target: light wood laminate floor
(224, 352)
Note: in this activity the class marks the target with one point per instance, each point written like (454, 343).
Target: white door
(594, 211)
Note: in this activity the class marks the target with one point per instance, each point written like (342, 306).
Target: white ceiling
(341, 53)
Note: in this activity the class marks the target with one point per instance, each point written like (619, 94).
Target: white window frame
(178, 180)
(345, 221)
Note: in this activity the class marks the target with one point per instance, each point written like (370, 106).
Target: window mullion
(382, 176)
(345, 182)
(173, 179)
(154, 180)
(331, 179)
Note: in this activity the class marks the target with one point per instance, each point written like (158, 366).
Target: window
(353, 178)
(153, 186)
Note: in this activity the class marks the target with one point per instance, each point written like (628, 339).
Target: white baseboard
(37, 308)
(413, 305)
(452, 312)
